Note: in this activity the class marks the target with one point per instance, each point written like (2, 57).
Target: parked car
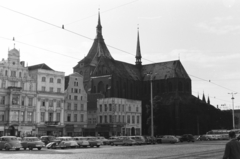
(55, 144)
(124, 140)
(111, 139)
(32, 142)
(187, 137)
(103, 140)
(82, 141)
(93, 141)
(69, 142)
(10, 142)
(140, 140)
(168, 139)
(203, 138)
(47, 139)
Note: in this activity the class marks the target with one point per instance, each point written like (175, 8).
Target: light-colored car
(168, 139)
(82, 141)
(124, 140)
(69, 142)
(140, 140)
(32, 142)
(103, 140)
(10, 142)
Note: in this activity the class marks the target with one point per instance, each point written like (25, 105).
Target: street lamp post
(233, 108)
(152, 126)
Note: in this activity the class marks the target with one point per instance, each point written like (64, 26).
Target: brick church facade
(103, 74)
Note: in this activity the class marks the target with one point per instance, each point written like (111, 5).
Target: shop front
(108, 130)
(26, 131)
(69, 129)
(50, 128)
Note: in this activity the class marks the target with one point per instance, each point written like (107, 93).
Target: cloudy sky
(203, 34)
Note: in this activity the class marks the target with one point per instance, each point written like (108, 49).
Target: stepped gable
(40, 66)
(164, 70)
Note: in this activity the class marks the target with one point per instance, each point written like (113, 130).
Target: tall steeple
(138, 53)
(203, 98)
(208, 101)
(99, 27)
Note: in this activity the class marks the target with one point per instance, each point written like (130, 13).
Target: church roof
(164, 70)
(40, 66)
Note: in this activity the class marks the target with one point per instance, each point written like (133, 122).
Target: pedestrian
(232, 149)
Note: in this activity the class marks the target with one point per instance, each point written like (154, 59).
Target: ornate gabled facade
(18, 97)
(103, 74)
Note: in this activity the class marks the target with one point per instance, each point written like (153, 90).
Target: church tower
(138, 53)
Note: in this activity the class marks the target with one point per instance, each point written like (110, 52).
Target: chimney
(22, 63)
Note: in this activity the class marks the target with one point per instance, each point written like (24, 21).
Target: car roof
(8, 136)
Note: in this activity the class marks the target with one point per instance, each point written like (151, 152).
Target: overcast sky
(203, 34)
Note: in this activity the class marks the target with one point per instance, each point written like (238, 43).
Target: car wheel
(62, 147)
(39, 148)
(17, 149)
(24, 148)
(7, 148)
(98, 145)
(30, 148)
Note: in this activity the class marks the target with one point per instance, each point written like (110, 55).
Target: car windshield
(9, 139)
(31, 139)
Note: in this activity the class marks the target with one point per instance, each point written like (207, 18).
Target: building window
(69, 97)
(75, 97)
(123, 119)
(50, 103)
(30, 101)
(29, 116)
(133, 119)
(43, 103)
(128, 119)
(75, 117)
(1, 116)
(82, 107)
(51, 89)
(110, 119)
(59, 90)
(81, 97)
(75, 90)
(105, 107)
(43, 88)
(58, 103)
(110, 107)
(69, 106)
(20, 74)
(119, 118)
(58, 80)
(13, 73)
(21, 116)
(138, 119)
(82, 116)
(42, 116)
(2, 99)
(50, 116)
(43, 79)
(6, 73)
(69, 117)
(80, 91)
(129, 108)
(137, 109)
(14, 115)
(75, 106)
(51, 80)
(105, 118)
(58, 116)
(100, 119)
(100, 108)
(123, 108)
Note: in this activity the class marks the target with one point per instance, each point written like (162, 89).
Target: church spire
(99, 27)
(208, 101)
(203, 98)
(138, 53)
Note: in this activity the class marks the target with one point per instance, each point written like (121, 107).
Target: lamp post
(233, 108)
(152, 126)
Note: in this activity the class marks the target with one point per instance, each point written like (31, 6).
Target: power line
(93, 39)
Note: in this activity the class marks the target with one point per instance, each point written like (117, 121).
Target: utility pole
(233, 108)
(152, 125)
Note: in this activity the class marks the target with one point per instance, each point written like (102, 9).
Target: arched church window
(100, 87)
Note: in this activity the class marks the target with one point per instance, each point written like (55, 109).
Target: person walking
(232, 149)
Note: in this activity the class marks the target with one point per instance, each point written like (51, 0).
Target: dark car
(203, 138)
(47, 139)
(187, 137)
(9, 142)
(32, 142)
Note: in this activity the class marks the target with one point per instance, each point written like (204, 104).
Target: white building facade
(75, 113)
(50, 100)
(18, 97)
(118, 116)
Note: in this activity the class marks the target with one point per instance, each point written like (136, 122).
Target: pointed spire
(138, 52)
(208, 101)
(203, 98)
(99, 27)
(198, 96)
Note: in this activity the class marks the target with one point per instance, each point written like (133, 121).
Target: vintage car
(55, 144)
(103, 140)
(140, 140)
(124, 140)
(10, 142)
(82, 141)
(93, 141)
(168, 139)
(68, 141)
(47, 139)
(32, 142)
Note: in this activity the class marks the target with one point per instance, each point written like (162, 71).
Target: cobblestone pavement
(197, 150)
